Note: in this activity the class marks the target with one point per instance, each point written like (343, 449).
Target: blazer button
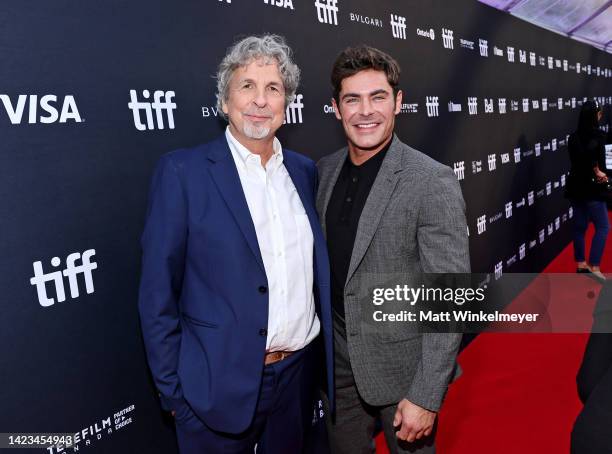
(263, 289)
(263, 332)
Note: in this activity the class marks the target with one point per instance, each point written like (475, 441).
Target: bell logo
(157, 105)
(57, 277)
(48, 109)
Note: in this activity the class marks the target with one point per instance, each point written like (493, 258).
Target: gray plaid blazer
(413, 222)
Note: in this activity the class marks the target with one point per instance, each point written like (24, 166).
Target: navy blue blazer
(203, 298)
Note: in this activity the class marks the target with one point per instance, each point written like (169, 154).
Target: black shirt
(342, 218)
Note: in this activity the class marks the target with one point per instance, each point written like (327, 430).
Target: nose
(260, 99)
(366, 107)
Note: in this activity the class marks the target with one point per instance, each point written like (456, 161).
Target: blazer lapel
(376, 203)
(225, 176)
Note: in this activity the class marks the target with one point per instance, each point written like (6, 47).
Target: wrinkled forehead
(261, 66)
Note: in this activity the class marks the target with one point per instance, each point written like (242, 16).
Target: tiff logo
(488, 105)
(530, 198)
(508, 210)
(557, 223)
(398, 26)
(525, 104)
(510, 53)
(532, 58)
(522, 251)
(327, 11)
(57, 277)
(560, 103)
(498, 270)
(523, 56)
(447, 38)
(538, 149)
(551, 64)
(550, 229)
(578, 67)
(517, 155)
(484, 47)
(481, 224)
(502, 105)
(570, 212)
(492, 161)
(548, 188)
(562, 180)
(541, 236)
(157, 105)
(459, 169)
(553, 145)
(433, 105)
(473, 105)
(544, 104)
(293, 113)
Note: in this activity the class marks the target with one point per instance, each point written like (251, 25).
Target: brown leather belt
(274, 357)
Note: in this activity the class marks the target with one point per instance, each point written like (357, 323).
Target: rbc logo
(57, 277)
(157, 105)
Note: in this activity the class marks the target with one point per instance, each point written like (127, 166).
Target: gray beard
(254, 132)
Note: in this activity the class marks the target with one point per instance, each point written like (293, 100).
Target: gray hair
(268, 47)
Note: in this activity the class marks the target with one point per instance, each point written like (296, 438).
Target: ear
(336, 109)
(398, 101)
(224, 107)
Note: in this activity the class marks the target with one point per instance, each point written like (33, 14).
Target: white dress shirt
(286, 245)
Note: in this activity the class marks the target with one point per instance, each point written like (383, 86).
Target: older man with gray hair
(234, 293)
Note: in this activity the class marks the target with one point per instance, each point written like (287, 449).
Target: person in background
(586, 186)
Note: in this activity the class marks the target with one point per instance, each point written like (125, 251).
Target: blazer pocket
(203, 323)
(392, 337)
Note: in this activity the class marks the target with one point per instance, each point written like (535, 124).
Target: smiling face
(367, 109)
(255, 105)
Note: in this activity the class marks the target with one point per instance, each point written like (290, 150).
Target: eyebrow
(373, 93)
(251, 81)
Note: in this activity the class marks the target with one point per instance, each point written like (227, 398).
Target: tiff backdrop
(93, 93)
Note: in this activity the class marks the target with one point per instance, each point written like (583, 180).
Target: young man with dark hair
(386, 209)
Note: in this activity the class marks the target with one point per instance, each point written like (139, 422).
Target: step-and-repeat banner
(92, 93)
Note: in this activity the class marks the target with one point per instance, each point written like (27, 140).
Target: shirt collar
(244, 155)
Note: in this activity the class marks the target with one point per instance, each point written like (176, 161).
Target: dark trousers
(353, 428)
(282, 416)
(597, 213)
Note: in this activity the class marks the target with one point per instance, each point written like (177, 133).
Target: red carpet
(518, 393)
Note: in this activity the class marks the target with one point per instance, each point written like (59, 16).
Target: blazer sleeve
(443, 248)
(163, 261)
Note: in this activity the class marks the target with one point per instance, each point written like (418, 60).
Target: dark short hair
(359, 58)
